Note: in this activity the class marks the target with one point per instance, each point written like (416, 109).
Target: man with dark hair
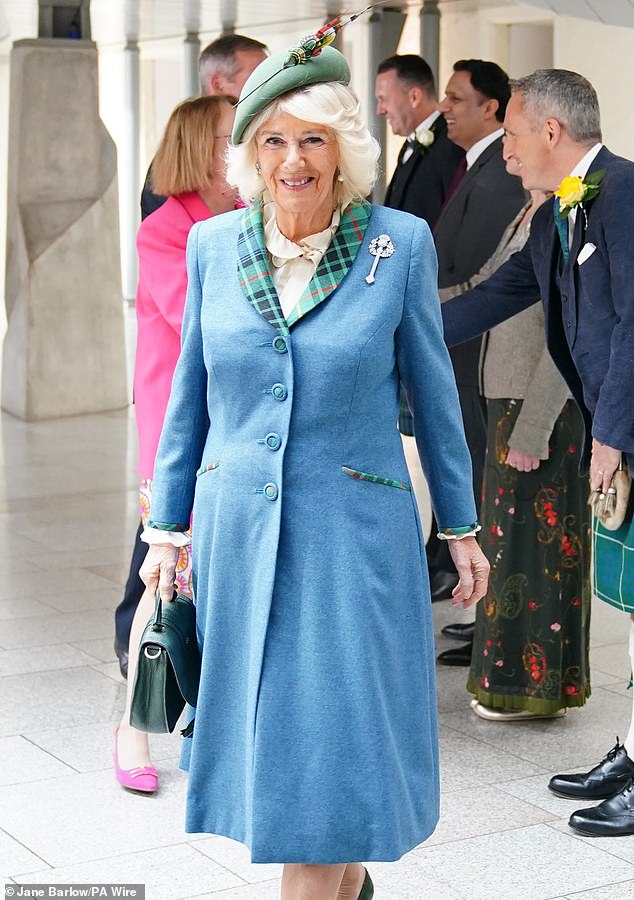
(223, 67)
(485, 199)
(578, 261)
(406, 96)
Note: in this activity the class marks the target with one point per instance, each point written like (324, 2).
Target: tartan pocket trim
(376, 479)
(209, 468)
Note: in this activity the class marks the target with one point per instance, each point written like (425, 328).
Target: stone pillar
(64, 350)
(130, 168)
(430, 37)
(191, 51)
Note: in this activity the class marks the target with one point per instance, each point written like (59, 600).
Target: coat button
(564, 298)
(279, 391)
(270, 491)
(273, 441)
(279, 344)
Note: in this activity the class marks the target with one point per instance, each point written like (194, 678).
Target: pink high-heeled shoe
(142, 778)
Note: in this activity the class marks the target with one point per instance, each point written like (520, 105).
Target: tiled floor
(67, 517)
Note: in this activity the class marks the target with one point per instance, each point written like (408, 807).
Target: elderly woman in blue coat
(315, 739)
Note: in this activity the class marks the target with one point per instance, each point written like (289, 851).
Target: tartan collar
(255, 274)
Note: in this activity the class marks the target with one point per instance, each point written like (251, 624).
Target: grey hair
(565, 96)
(332, 104)
(219, 57)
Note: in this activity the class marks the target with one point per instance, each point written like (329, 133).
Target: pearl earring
(258, 167)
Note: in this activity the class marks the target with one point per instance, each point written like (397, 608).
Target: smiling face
(469, 115)
(526, 146)
(299, 163)
(394, 101)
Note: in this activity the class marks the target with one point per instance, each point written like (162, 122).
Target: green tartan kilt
(613, 562)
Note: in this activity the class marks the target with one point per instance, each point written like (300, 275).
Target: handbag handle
(157, 622)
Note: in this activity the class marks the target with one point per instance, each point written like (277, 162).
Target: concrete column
(430, 36)
(385, 28)
(64, 350)
(131, 176)
(191, 52)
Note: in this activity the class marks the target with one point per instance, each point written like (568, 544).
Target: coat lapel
(254, 271)
(335, 262)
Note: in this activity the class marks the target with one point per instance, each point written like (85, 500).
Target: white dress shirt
(480, 146)
(426, 125)
(580, 171)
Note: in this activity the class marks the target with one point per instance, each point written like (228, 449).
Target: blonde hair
(331, 104)
(183, 159)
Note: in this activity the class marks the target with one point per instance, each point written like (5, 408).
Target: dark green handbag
(168, 668)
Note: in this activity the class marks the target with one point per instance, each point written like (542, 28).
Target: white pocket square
(585, 253)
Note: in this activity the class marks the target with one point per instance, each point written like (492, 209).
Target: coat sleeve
(186, 422)
(513, 288)
(161, 243)
(613, 419)
(543, 402)
(426, 374)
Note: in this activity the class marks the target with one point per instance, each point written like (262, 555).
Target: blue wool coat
(315, 738)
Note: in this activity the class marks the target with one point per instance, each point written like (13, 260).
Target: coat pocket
(208, 468)
(376, 479)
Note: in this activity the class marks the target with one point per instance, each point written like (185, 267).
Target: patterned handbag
(168, 668)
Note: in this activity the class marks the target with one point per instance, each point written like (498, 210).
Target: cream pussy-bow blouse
(293, 265)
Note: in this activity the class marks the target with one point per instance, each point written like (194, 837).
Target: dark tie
(459, 174)
(562, 229)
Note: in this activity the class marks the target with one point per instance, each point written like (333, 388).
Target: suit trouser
(133, 592)
(473, 408)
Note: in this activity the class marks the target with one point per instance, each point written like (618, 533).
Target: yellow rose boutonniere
(574, 190)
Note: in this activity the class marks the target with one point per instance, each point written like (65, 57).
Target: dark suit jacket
(469, 231)
(150, 201)
(589, 307)
(419, 186)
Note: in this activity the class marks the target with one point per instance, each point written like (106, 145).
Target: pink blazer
(160, 300)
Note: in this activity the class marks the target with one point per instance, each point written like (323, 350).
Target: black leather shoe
(612, 818)
(608, 778)
(459, 631)
(441, 584)
(459, 656)
(122, 656)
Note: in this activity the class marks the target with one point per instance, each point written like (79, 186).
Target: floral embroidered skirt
(184, 564)
(532, 633)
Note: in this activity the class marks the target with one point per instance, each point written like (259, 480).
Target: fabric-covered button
(270, 491)
(273, 441)
(279, 391)
(279, 344)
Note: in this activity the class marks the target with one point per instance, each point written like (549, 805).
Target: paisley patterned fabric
(532, 629)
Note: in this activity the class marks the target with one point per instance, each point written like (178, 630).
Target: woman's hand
(523, 462)
(603, 464)
(473, 570)
(159, 570)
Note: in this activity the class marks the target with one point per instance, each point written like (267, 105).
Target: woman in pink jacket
(189, 169)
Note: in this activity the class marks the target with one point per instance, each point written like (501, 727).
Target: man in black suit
(406, 96)
(578, 260)
(467, 232)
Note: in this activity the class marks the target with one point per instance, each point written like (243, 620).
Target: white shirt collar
(281, 249)
(426, 123)
(480, 146)
(581, 169)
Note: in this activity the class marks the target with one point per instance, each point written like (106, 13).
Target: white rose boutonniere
(423, 138)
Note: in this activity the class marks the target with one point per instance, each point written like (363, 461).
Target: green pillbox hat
(271, 79)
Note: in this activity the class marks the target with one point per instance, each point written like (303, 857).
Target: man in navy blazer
(579, 262)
